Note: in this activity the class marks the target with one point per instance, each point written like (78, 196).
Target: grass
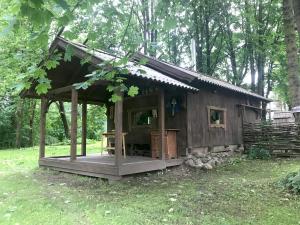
(242, 192)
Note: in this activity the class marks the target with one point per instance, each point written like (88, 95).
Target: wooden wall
(142, 135)
(191, 119)
(136, 135)
(178, 121)
(200, 134)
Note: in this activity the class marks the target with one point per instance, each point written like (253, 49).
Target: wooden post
(44, 103)
(161, 113)
(84, 128)
(74, 112)
(188, 123)
(118, 130)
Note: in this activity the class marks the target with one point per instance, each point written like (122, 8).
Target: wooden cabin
(176, 111)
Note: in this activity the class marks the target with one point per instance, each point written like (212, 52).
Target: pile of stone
(208, 160)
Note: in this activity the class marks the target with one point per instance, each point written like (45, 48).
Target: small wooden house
(176, 111)
(283, 117)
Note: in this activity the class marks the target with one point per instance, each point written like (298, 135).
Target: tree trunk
(250, 46)
(292, 57)
(207, 45)
(232, 55)
(260, 59)
(145, 25)
(153, 36)
(198, 42)
(296, 5)
(19, 118)
(31, 123)
(62, 113)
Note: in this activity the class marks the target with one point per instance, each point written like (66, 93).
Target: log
(161, 113)
(74, 112)
(84, 129)
(44, 103)
(118, 119)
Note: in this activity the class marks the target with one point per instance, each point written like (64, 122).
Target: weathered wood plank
(60, 90)
(84, 128)
(44, 103)
(161, 114)
(140, 167)
(118, 119)
(74, 112)
(91, 167)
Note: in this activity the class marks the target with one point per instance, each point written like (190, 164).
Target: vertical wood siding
(204, 136)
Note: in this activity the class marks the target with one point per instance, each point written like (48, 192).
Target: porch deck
(103, 166)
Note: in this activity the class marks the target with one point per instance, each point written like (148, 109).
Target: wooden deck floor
(103, 166)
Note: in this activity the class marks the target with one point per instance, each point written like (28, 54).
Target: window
(143, 118)
(216, 117)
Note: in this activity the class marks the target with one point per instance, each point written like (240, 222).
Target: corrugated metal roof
(135, 69)
(281, 115)
(155, 75)
(208, 79)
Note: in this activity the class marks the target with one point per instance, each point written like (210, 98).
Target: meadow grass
(241, 192)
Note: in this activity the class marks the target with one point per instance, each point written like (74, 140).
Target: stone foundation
(208, 158)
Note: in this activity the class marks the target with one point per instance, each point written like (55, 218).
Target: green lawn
(242, 192)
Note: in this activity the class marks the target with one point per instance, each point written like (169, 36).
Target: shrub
(291, 182)
(258, 153)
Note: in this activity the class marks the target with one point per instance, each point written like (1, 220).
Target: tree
(292, 56)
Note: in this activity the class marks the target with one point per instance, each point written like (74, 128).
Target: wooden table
(111, 135)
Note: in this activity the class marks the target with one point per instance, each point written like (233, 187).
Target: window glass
(142, 118)
(217, 117)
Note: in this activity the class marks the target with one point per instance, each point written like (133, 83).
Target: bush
(291, 182)
(258, 153)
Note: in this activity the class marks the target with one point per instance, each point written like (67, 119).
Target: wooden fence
(283, 138)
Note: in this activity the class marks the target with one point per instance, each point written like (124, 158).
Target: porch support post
(44, 104)
(84, 128)
(118, 129)
(74, 112)
(161, 113)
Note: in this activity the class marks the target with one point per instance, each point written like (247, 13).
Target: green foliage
(258, 153)
(133, 90)
(291, 182)
(68, 53)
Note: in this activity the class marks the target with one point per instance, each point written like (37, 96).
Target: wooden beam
(118, 130)
(84, 129)
(161, 113)
(44, 103)
(60, 90)
(74, 112)
(250, 106)
(70, 87)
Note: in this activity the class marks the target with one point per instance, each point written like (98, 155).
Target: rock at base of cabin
(208, 166)
(198, 154)
(207, 161)
(240, 149)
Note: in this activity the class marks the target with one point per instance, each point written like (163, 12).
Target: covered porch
(158, 110)
(119, 163)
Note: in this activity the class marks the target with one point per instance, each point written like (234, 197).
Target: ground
(241, 192)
